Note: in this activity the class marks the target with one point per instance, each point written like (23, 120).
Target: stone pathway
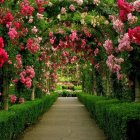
(68, 119)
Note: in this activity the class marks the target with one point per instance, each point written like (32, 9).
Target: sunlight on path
(66, 120)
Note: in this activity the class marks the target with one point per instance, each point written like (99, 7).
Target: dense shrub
(67, 93)
(78, 87)
(14, 121)
(58, 87)
(68, 87)
(113, 115)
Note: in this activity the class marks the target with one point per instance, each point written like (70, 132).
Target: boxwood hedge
(114, 116)
(14, 121)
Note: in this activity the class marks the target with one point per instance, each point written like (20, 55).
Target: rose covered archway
(37, 37)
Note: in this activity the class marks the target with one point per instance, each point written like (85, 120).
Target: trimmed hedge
(66, 93)
(14, 121)
(114, 116)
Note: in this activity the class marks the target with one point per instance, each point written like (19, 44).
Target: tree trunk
(5, 87)
(33, 94)
(77, 74)
(108, 84)
(137, 90)
(94, 81)
(49, 85)
(5, 103)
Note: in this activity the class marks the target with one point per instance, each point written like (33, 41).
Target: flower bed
(14, 121)
(120, 120)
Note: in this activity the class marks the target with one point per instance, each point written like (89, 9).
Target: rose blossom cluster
(114, 65)
(86, 32)
(39, 16)
(79, 2)
(97, 66)
(124, 43)
(72, 7)
(34, 30)
(3, 57)
(136, 5)
(113, 62)
(13, 99)
(33, 45)
(65, 53)
(54, 77)
(1, 42)
(73, 59)
(125, 9)
(12, 33)
(118, 25)
(26, 9)
(96, 51)
(131, 19)
(63, 10)
(3, 53)
(17, 25)
(83, 43)
(26, 76)
(7, 18)
(21, 100)
(134, 35)
(52, 40)
(18, 64)
(31, 19)
(40, 4)
(125, 40)
(73, 36)
(108, 45)
(1, 1)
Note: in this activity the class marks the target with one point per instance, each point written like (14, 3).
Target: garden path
(68, 119)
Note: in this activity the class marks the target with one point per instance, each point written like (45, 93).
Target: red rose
(134, 35)
(125, 8)
(17, 25)
(9, 17)
(1, 1)
(123, 15)
(1, 42)
(3, 57)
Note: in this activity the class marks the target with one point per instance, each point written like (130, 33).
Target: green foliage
(68, 93)
(39, 93)
(78, 87)
(14, 121)
(58, 87)
(111, 114)
(87, 79)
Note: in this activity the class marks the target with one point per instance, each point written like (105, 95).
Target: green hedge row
(113, 115)
(14, 121)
